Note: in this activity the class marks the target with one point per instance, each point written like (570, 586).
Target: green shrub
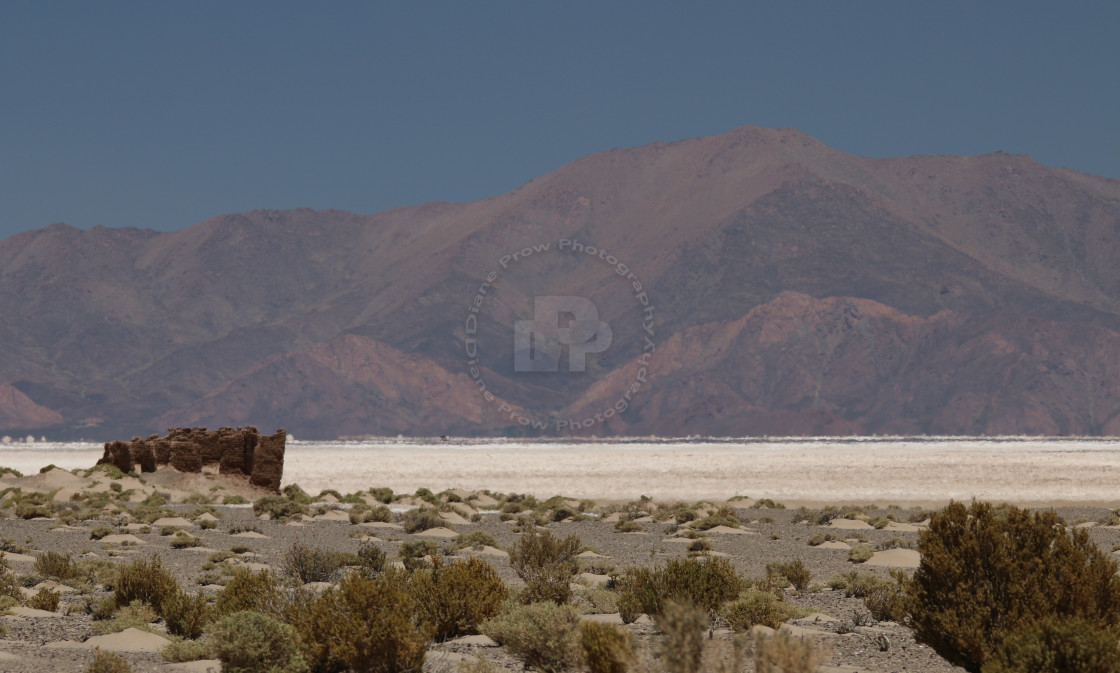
(371, 560)
(724, 516)
(628, 526)
(418, 520)
(106, 662)
(546, 564)
(860, 553)
(682, 643)
(100, 532)
(207, 524)
(249, 642)
(476, 539)
(311, 564)
(185, 615)
(57, 566)
(414, 553)
(606, 649)
(986, 573)
(544, 635)
(1057, 644)
(145, 581)
(9, 583)
(178, 651)
(247, 590)
(364, 513)
(887, 601)
(706, 585)
(280, 508)
(183, 540)
(363, 625)
(135, 615)
(794, 571)
(234, 500)
(44, 599)
(382, 494)
(454, 599)
(755, 606)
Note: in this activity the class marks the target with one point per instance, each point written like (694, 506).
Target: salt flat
(810, 471)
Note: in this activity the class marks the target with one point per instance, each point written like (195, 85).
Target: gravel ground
(770, 536)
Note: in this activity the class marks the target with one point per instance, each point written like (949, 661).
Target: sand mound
(453, 518)
(902, 527)
(173, 521)
(590, 554)
(486, 550)
(334, 515)
(52, 480)
(200, 666)
(121, 538)
(895, 558)
(437, 532)
(381, 524)
(834, 544)
(594, 580)
(851, 524)
(129, 640)
(728, 530)
(21, 611)
(252, 534)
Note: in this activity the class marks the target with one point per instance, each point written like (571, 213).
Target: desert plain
(875, 495)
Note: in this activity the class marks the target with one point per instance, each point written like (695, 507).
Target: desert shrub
(33, 505)
(135, 615)
(986, 573)
(234, 500)
(100, 532)
(310, 564)
(185, 615)
(860, 553)
(280, 508)
(628, 526)
(417, 520)
(547, 565)
(371, 560)
(477, 539)
(44, 599)
(145, 581)
(183, 540)
(240, 548)
(887, 601)
(454, 599)
(178, 651)
(794, 571)
(767, 503)
(414, 553)
(755, 606)
(247, 590)
(784, 653)
(700, 546)
(207, 524)
(544, 635)
(606, 649)
(383, 494)
(249, 642)
(55, 565)
(9, 583)
(682, 644)
(363, 625)
(706, 585)
(856, 584)
(880, 522)
(1057, 644)
(820, 538)
(107, 662)
(364, 513)
(724, 516)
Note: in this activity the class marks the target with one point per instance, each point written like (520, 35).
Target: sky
(161, 115)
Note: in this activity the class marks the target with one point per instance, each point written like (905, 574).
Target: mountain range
(789, 289)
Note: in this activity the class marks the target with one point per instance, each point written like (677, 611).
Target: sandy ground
(1024, 472)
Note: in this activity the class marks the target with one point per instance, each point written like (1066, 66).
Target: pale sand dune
(1025, 472)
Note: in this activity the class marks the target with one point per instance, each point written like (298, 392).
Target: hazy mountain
(796, 290)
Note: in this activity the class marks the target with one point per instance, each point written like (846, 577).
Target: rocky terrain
(792, 290)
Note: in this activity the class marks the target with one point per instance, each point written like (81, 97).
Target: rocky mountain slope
(795, 289)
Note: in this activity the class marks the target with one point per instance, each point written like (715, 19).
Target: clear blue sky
(160, 115)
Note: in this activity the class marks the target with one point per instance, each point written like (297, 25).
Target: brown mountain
(796, 290)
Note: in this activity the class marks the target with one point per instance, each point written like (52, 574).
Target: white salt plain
(810, 471)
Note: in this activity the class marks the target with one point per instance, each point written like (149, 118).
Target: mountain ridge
(121, 331)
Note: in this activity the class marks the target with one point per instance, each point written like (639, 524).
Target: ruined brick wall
(241, 451)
